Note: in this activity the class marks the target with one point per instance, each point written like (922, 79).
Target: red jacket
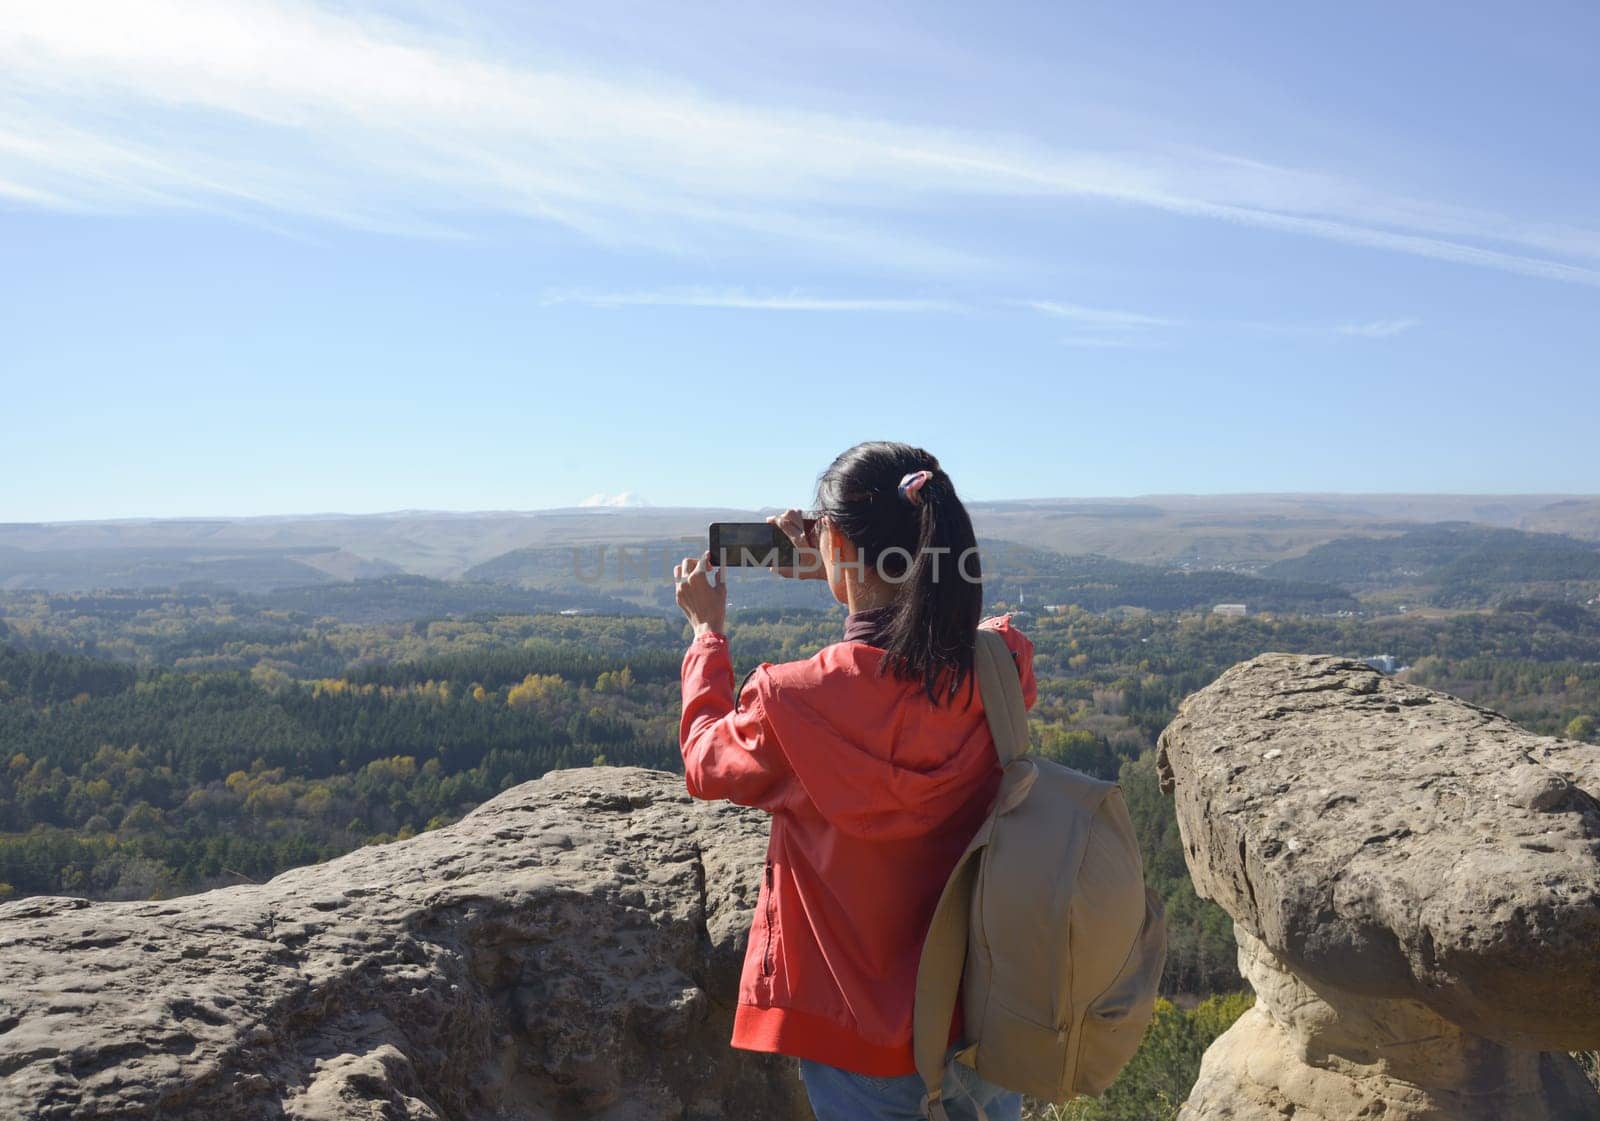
(874, 792)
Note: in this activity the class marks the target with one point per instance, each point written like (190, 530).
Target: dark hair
(927, 548)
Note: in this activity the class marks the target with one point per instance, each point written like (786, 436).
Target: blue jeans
(842, 1095)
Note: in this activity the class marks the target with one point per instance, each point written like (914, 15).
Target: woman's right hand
(808, 558)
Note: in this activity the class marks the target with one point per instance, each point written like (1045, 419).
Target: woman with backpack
(876, 762)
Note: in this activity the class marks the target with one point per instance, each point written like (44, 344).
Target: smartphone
(754, 544)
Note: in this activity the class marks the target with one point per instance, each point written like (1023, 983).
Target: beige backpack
(1062, 944)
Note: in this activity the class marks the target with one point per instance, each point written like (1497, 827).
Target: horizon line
(612, 511)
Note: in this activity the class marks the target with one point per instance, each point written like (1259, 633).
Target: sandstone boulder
(1415, 884)
(569, 949)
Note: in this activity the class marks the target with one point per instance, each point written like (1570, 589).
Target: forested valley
(157, 743)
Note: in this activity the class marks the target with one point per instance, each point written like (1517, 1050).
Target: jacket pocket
(768, 908)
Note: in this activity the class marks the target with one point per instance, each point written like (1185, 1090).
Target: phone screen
(751, 544)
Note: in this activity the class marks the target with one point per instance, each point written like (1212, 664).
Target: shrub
(1161, 1073)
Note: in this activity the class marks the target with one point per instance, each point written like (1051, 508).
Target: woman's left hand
(702, 593)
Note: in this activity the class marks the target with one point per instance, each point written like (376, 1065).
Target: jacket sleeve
(728, 752)
(1021, 653)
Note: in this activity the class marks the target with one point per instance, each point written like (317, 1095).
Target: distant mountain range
(1294, 552)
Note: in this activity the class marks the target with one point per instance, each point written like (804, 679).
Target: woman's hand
(704, 602)
(808, 559)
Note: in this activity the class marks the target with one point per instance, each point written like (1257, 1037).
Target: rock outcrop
(1415, 885)
(569, 949)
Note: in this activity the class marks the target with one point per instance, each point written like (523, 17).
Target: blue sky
(274, 256)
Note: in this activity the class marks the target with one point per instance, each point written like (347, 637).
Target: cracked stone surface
(1415, 885)
(569, 949)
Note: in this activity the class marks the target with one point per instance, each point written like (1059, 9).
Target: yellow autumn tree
(536, 689)
(614, 681)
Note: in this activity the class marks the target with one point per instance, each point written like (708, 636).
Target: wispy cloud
(1093, 328)
(1371, 329)
(1104, 319)
(351, 116)
(1378, 328)
(1096, 328)
(1113, 328)
(1109, 342)
(739, 300)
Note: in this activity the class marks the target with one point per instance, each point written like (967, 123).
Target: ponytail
(901, 511)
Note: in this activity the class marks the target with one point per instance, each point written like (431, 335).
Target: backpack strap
(944, 949)
(1000, 687)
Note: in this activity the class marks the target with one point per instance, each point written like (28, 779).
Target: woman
(874, 759)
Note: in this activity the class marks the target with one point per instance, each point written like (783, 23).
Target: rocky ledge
(1415, 886)
(569, 949)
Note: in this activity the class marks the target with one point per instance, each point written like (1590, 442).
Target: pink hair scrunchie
(913, 483)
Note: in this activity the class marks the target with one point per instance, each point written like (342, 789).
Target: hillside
(166, 566)
(1013, 574)
(1242, 533)
(1452, 564)
(1018, 574)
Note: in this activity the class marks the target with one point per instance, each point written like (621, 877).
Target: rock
(1415, 884)
(569, 949)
